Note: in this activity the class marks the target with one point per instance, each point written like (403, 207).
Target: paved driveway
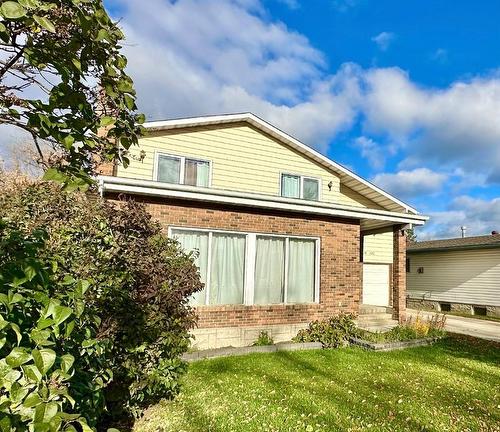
(474, 327)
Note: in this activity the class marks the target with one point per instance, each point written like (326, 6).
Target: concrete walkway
(469, 326)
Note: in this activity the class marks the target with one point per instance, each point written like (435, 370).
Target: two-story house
(284, 235)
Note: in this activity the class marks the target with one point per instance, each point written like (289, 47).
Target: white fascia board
(277, 133)
(158, 189)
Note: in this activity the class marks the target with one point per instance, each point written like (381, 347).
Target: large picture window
(182, 170)
(249, 268)
(297, 186)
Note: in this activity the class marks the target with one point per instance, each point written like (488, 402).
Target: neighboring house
(460, 274)
(284, 235)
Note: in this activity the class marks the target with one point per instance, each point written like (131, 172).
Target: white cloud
(372, 151)
(456, 126)
(409, 184)
(198, 57)
(440, 55)
(478, 215)
(344, 5)
(292, 4)
(384, 40)
(191, 57)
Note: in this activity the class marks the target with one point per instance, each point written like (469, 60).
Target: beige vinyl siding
(243, 159)
(468, 276)
(378, 248)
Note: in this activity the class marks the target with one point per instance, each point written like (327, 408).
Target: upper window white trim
(182, 159)
(301, 177)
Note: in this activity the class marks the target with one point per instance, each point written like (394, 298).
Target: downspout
(101, 187)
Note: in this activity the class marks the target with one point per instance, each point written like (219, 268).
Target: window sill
(276, 306)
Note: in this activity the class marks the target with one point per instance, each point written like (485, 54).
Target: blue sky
(405, 93)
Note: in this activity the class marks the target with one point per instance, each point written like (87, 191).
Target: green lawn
(451, 386)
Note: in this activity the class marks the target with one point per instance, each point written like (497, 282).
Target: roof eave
(182, 192)
(454, 248)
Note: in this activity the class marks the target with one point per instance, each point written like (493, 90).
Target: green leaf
(68, 280)
(102, 34)
(12, 10)
(17, 357)
(32, 400)
(18, 392)
(45, 412)
(3, 29)
(29, 4)
(41, 337)
(5, 425)
(32, 373)
(68, 141)
(106, 121)
(44, 359)
(67, 361)
(61, 314)
(44, 323)
(77, 64)
(53, 174)
(84, 425)
(17, 331)
(45, 23)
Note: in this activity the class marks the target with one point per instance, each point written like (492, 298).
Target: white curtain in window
(203, 174)
(227, 269)
(169, 169)
(301, 271)
(196, 173)
(311, 189)
(197, 242)
(269, 270)
(290, 186)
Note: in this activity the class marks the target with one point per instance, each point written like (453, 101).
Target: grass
(450, 386)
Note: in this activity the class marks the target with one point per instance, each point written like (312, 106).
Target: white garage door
(376, 284)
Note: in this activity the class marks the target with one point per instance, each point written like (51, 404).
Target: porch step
(365, 309)
(378, 328)
(376, 318)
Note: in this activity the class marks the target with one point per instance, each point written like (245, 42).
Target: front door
(376, 284)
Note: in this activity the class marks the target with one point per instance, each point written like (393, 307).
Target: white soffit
(347, 177)
(218, 196)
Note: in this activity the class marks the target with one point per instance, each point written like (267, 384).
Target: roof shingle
(492, 240)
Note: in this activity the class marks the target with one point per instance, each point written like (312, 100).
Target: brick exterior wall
(399, 274)
(340, 267)
(106, 169)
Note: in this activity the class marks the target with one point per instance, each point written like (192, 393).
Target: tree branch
(11, 62)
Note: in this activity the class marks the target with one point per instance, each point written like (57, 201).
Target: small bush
(263, 339)
(332, 332)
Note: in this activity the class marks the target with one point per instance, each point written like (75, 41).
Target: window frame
(301, 187)
(250, 259)
(182, 170)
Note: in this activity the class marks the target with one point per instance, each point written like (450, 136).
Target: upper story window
(182, 170)
(297, 186)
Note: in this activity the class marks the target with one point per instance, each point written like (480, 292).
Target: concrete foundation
(209, 338)
(435, 306)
